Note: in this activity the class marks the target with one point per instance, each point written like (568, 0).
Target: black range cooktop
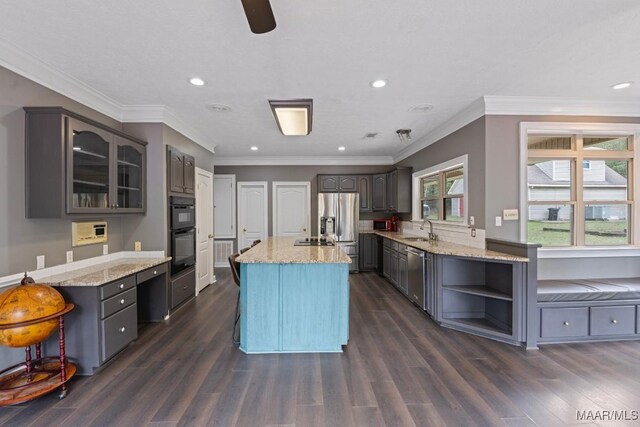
(314, 241)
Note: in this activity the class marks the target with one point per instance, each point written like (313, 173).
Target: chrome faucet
(432, 235)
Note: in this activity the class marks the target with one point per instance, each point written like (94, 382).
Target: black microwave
(183, 212)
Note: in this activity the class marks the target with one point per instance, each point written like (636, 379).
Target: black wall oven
(182, 233)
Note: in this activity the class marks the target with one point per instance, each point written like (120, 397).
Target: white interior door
(291, 209)
(252, 212)
(204, 227)
(224, 206)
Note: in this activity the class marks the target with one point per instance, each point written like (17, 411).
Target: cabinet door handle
(122, 301)
(122, 330)
(184, 288)
(155, 272)
(614, 321)
(565, 323)
(121, 285)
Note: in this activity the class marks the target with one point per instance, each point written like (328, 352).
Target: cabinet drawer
(394, 245)
(617, 320)
(402, 249)
(183, 288)
(386, 243)
(114, 288)
(150, 273)
(564, 322)
(118, 302)
(119, 330)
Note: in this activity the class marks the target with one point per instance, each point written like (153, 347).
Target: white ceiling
(446, 53)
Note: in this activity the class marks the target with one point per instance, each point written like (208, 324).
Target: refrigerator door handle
(338, 224)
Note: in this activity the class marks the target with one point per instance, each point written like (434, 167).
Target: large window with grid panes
(580, 189)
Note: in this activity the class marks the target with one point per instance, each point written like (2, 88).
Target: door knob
(304, 229)
(211, 236)
(244, 230)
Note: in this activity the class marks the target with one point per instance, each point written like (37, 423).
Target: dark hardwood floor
(399, 369)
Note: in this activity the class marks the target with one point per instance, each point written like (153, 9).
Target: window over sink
(440, 192)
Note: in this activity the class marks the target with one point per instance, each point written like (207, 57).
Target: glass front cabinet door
(105, 172)
(131, 172)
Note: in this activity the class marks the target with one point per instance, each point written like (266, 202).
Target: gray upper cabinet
(365, 192)
(99, 170)
(379, 196)
(337, 184)
(398, 191)
(181, 171)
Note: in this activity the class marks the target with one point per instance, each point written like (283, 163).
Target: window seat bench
(588, 310)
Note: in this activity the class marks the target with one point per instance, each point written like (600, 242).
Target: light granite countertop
(446, 248)
(280, 250)
(103, 273)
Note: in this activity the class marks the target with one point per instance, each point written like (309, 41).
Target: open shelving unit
(477, 295)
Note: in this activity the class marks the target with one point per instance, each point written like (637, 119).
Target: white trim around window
(569, 128)
(448, 165)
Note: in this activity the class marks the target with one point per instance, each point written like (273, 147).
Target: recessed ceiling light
(378, 83)
(196, 81)
(622, 85)
(421, 108)
(342, 148)
(254, 148)
(218, 108)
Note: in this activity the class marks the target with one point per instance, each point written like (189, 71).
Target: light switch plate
(498, 221)
(137, 246)
(39, 262)
(472, 220)
(510, 214)
(105, 249)
(69, 256)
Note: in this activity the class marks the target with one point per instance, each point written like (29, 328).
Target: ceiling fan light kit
(259, 15)
(294, 116)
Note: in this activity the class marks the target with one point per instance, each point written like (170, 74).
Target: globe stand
(36, 377)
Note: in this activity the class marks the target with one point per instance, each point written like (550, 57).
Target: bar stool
(235, 271)
(255, 242)
(243, 250)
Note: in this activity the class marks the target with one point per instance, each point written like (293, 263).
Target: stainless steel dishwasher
(415, 260)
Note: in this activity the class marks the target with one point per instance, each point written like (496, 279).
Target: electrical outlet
(105, 249)
(137, 246)
(39, 262)
(69, 256)
(498, 221)
(472, 220)
(473, 232)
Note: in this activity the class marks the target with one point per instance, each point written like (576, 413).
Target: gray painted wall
(503, 192)
(298, 173)
(468, 140)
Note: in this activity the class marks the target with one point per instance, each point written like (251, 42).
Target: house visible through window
(579, 206)
(442, 195)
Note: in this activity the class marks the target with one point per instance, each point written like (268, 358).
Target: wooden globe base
(19, 386)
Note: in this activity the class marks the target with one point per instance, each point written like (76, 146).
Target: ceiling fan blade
(259, 15)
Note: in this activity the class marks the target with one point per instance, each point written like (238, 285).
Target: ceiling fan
(259, 15)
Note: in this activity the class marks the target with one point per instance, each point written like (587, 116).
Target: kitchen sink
(416, 239)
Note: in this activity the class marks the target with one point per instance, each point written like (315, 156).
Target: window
(569, 205)
(442, 192)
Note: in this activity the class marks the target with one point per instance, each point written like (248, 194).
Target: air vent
(218, 108)
(421, 108)
(223, 249)
(370, 135)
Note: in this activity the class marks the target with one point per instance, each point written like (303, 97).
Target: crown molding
(463, 118)
(302, 161)
(532, 105)
(21, 62)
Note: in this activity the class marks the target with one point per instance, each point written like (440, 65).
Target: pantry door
(253, 199)
(291, 209)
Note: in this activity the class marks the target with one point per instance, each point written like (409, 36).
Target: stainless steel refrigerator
(338, 218)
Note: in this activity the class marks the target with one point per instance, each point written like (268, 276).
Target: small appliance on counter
(390, 224)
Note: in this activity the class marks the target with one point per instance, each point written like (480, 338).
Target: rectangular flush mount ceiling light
(293, 116)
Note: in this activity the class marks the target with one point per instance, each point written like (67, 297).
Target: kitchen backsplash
(445, 232)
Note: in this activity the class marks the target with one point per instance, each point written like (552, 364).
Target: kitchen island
(293, 299)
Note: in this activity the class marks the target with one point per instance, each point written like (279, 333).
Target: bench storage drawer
(564, 322)
(613, 320)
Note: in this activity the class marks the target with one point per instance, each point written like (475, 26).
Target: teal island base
(294, 308)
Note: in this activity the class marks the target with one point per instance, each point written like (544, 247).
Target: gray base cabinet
(368, 252)
(183, 287)
(105, 319)
(403, 270)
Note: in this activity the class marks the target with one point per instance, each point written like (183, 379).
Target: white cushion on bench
(588, 290)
